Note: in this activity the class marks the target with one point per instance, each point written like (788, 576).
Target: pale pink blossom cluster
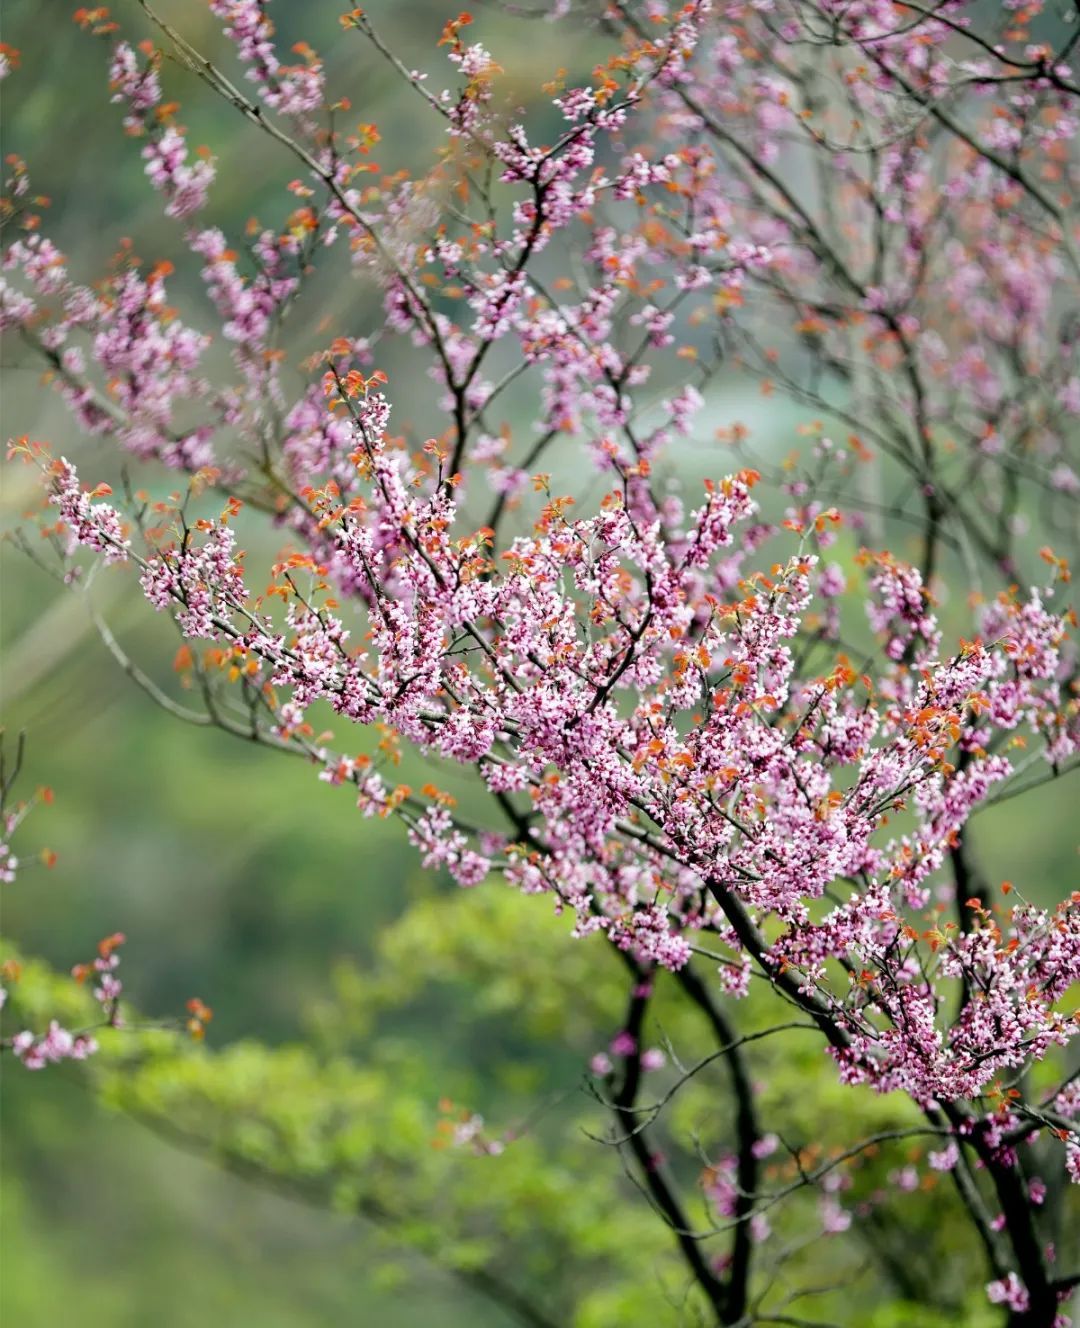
(183, 183)
(56, 1044)
(87, 522)
(292, 89)
(689, 738)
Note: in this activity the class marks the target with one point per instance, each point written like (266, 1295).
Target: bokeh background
(237, 876)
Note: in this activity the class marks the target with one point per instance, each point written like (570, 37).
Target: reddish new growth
(698, 731)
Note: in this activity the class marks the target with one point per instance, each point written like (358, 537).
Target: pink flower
(834, 1219)
(946, 1158)
(623, 1044)
(1009, 1291)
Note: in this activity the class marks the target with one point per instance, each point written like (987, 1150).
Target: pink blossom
(1008, 1291)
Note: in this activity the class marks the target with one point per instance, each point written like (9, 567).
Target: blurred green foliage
(354, 1117)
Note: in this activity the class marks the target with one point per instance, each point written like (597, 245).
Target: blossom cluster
(632, 673)
(36, 1051)
(182, 182)
(291, 89)
(686, 735)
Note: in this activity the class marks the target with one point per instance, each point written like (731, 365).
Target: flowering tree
(721, 724)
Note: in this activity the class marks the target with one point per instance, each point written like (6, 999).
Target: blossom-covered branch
(723, 716)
